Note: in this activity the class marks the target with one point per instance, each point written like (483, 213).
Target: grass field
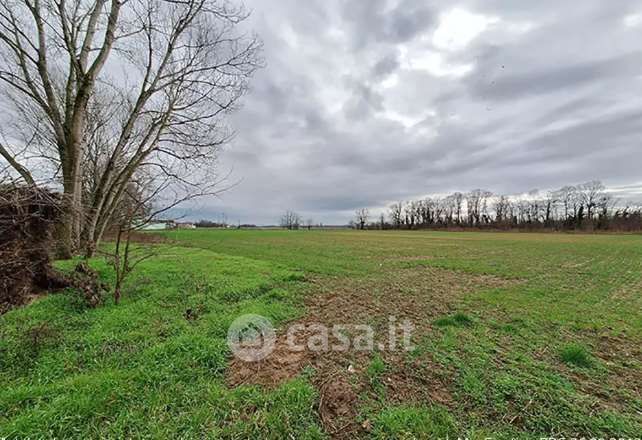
(517, 336)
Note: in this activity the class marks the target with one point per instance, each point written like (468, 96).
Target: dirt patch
(416, 294)
(337, 404)
(281, 365)
(418, 382)
(408, 293)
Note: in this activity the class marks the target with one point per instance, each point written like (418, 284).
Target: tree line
(587, 206)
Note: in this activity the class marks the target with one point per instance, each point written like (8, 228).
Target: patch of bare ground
(417, 381)
(417, 294)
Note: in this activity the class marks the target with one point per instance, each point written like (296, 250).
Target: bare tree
(411, 214)
(550, 206)
(450, 209)
(439, 210)
(567, 196)
(149, 79)
(485, 198)
(126, 257)
(534, 207)
(590, 194)
(361, 218)
(604, 205)
(459, 200)
(476, 206)
(291, 220)
(396, 214)
(502, 208)
(572, 207)
(423, 211)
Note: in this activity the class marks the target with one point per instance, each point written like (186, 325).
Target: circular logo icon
(251, 337)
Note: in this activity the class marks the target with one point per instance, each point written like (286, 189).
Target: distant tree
(309, 223)
(361, 218)
(450, 209)
(590, 194)
(411, 214)
(567, 196)
(502, 210)
(533, 209)
(550, 206)
(422, 208)
(439, 211)
(579, 217)
(291, 220)
(459, 200)
(485, 198)
(604, 206)
(396, 214)
(476, 205)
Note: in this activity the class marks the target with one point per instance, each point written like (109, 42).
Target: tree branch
(24, 173)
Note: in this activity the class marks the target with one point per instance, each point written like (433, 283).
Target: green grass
(374, 372)
(515, 359)
(141, 369)
(576, 354)
(457, 320)
(410, 422)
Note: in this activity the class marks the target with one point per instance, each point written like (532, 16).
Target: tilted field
(517, 335)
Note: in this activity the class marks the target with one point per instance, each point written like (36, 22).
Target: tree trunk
(67, 240)
(72, 190)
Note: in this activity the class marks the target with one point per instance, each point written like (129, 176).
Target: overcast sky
(367, 102)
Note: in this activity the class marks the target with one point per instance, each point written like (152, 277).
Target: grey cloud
(320, 134)
(363, 103)
(385, 65)
(558, 77)
(373, 21)
(408, 19)
(590, 137)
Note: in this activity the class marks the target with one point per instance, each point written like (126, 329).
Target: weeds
(576, 354)
(457, 320)
(375, 371)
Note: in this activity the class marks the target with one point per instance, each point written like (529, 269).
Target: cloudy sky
(367, 102)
